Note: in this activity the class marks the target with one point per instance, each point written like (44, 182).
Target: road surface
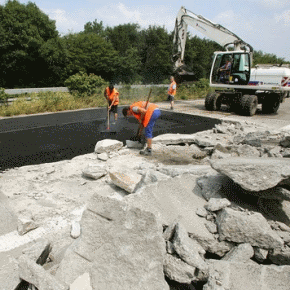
(196, 107)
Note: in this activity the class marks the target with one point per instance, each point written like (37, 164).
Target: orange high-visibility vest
(150, 109)
(172, 91)
(112, 94)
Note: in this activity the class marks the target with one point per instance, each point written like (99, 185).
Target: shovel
(108, 125)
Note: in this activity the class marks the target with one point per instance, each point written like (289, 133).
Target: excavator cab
(231, 68)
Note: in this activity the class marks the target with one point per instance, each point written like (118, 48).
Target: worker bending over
(147, 116)
(112, 96)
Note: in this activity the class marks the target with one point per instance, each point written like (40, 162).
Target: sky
(264, 24)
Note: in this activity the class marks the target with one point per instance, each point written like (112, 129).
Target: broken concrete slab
(240, 276)
(241, 253)
(280, 256)
(177, 270)
(174, 139)
(9, 274)
(134, 144)
(83, 282)
(254, 174)
(36, 275)
(8, 218)
(261, 139)
(125, 178)
(247, 227)
(25, 224)
(212, 186)
(120, 246)
(38, 251)
(108, 145)
(151, 176)
(103, 156)
(260, 254)
(212, 140)
(95, 171)
(199, 170)
(244, 150)
(216, 204)
(177, 197)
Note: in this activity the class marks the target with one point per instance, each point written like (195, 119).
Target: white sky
(264, 24)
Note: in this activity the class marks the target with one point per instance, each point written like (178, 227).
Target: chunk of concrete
(247, 227)
(216, 204)
(174, 139)
(36, 275)
(254, 174)
(8, 219)
(177, 270)
(108, 146)
(83, 282)
(188, 249)
(95, 171)
(176, 199)
(240, 276)
(241, 253)
(125, 178)
(38, 251)
(120, 246)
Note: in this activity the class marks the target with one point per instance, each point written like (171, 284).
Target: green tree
(156, 54)
(56, 57)
(125, 39)
(90, 53)
(24, 28)
(199, 56)
(260, 57)
(95, 27)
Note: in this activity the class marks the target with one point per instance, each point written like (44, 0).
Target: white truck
(236, 84)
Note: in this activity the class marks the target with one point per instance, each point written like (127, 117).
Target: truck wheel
(212, 102)
(249, 104)
(271, 103)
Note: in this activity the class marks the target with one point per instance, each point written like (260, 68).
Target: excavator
(237, 85)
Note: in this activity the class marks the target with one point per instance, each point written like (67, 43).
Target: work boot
(146, 152)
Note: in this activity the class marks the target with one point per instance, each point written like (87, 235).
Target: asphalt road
(196, 107)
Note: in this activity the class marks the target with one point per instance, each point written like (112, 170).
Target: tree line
(34, 54)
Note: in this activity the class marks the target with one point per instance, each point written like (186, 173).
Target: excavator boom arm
(216, 32)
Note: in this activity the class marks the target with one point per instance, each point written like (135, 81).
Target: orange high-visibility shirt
(150, 109)
(171, 90)
(112, 94)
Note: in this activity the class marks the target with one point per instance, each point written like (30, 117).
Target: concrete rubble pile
(219, 222)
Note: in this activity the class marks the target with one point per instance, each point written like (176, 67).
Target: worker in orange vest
(147, 116)
(171, 92)
(112, 96)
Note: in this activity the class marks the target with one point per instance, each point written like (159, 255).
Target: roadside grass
(35, 103)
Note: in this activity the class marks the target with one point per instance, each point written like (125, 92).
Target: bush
(202, 84)
(83, 85)
(3, 96)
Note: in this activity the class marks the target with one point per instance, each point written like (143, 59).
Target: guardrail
(64, 89)
(35, 90)
(11, 92)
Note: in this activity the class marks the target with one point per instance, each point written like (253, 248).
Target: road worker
(171, 92)
(147, 116)
(112, 96)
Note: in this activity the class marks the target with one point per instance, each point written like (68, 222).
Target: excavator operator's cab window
(231, 68)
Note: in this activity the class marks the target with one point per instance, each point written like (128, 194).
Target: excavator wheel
(213, 102)
(271, 103)
(249, 104)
